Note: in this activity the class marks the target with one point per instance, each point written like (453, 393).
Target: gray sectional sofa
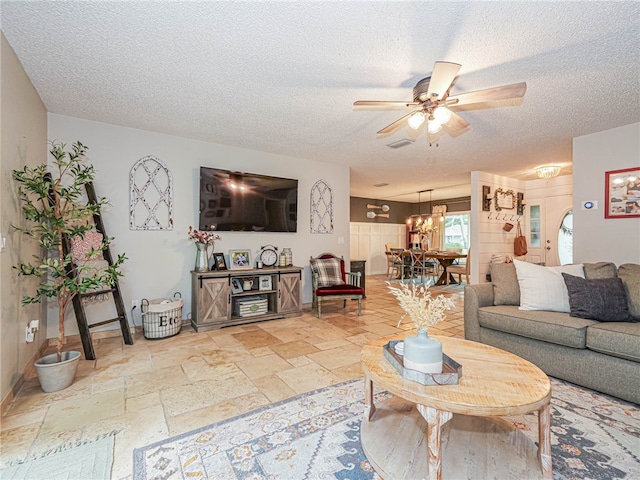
(603, 356)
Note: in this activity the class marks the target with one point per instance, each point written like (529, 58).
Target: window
(565, 239)
(534, 226)
(457, 232)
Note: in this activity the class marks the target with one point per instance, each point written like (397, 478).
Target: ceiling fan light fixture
(416, 120)
(433, 126)
(548, 171)
(442, 115)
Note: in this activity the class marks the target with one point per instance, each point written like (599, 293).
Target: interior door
(555, 210)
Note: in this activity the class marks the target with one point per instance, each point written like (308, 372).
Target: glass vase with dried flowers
(421, 352)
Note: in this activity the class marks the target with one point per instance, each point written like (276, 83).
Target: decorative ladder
(78, 306)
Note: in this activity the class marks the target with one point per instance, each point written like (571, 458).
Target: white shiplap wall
(487, 236)
(367, 243)
(490, 239)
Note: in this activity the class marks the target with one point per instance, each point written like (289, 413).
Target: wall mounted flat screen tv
(247, 202)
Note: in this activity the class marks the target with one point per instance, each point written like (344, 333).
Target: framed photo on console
(622, 193)
(265, 282)
(236, 285)
(219, 262)
(240, 259)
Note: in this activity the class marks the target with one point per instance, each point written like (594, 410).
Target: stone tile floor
(158, 388)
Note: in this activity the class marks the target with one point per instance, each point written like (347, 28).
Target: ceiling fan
(431, 100)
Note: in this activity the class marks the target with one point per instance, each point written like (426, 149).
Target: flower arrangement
(416, 301)
(200, 236)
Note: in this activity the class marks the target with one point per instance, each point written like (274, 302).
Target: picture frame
(236, 285)
(219, 262)
(239, 259)
(265, 282)
(622, 193)
(504, 200)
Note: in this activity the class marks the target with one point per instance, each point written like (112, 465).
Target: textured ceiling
(282, 77)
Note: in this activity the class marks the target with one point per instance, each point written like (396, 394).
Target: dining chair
(397, 264)
(463, 269)
(387, 249)
(420, 265)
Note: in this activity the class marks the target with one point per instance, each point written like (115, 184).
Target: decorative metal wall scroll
(321, 208)
(150, 195)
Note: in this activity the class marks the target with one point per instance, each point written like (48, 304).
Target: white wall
(368, 240)
(160, 261)
(487, 236)
(596, 238)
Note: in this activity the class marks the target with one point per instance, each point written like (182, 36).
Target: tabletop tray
(451, 370)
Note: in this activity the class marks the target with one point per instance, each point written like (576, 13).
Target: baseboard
(28, 371)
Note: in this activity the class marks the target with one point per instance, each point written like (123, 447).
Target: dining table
(445, 259)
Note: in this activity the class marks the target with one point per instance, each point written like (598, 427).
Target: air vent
(400, 143)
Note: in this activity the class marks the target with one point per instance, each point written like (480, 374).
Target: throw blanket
(88, 269)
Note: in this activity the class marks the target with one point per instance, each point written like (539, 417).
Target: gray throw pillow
(506, 290)
(601, 299)
(629, 273)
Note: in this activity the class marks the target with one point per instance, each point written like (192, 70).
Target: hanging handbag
(520, 243)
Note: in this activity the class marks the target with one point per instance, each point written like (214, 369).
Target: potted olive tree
(52, 199)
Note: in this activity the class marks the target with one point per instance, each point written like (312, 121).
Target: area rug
(317, 436)
(87, 461)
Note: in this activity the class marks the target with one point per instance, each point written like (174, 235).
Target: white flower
(416, 301)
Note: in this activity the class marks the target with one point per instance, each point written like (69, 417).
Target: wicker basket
(162, 317)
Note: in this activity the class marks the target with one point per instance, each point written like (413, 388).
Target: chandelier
(548, 171)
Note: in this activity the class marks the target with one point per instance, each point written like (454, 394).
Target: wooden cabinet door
(289, 293)
(213, 301)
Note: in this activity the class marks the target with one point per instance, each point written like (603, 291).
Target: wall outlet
(30, 335)
(135, 304)
(34, 325)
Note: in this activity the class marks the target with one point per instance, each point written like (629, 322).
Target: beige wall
(598, 238)
(160, 262)
(23, 135)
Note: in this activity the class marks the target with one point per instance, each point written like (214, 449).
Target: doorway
(551, 230)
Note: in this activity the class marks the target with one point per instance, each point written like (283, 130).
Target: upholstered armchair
(332, 282)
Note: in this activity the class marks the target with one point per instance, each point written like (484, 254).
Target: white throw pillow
(543, 288)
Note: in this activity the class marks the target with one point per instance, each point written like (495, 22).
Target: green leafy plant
(52, 200)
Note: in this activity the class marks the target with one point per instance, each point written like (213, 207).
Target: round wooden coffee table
(494, 383)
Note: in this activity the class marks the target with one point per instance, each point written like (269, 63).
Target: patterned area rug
(317, 435)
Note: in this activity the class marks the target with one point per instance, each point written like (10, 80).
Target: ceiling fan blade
(395, 124)
(505, 92)
(456, 122)
(441, 78)
(382, 103)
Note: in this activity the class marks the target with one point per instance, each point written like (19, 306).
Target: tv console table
(218, 298)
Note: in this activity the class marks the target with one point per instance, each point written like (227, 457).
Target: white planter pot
(54, 375)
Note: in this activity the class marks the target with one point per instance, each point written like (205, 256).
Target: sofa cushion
(543, 288)
(553, 327)
(505, 284)
(629, 273)
(600, 299)
(615, 338)
(600, 270)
